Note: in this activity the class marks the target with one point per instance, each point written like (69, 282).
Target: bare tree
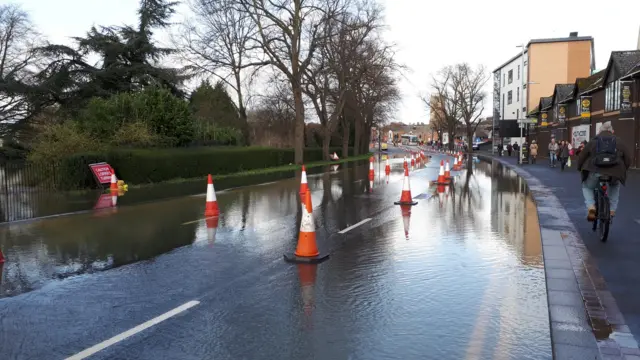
(468, 85)
(443, 104)
(288, 32)
(327, 78)
(272, 121)
(219, 41)
(18, 39)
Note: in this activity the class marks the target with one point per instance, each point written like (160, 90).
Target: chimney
(573, 34)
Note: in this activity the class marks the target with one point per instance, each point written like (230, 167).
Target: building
(545, 63)
(575, 113)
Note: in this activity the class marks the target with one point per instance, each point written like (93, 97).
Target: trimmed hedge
(157, 165)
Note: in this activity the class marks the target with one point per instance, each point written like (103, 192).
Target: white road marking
(198, 220)
(116, 339)
(354, 226)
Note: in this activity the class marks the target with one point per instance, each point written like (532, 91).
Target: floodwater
(458, 276)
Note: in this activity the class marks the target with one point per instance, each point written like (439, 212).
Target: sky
(428, 34)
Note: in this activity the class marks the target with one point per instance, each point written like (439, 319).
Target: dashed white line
(354, 226)
(116, 339)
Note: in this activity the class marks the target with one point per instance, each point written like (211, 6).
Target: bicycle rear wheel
(604, 230)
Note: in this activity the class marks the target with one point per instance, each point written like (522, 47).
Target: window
(518, 72)
(503, 115)
(518, 114)
(612, 96)
(509, 97)
(518, 94)
(524, 109)
(503, 84)
(510, 76)
(578, 106)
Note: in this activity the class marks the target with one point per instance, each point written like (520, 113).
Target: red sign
(104, 201)
(102, 171)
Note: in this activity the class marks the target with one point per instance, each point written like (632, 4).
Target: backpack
(606, 154)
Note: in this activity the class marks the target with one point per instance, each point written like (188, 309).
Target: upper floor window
(612, 96)
(518, 94)
(518, 72)
(503, 82)
(510, 76)
(509, 97)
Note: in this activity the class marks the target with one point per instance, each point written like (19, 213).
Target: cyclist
(603, 155)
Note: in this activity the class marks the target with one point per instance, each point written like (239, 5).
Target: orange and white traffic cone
(441, 178)
(404, 162)
(114, 198)
(406, 217)
(211, 207)
(447, 172)
(371, 172)
(413, 160)
(304, 186)
(405, 197)
(114, 182)
(387, 168)
(307, 249)
(212, 228)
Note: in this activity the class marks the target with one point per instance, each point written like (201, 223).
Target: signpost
(102, 172)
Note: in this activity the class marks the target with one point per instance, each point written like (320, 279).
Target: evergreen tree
(213, 105)
(129, 62)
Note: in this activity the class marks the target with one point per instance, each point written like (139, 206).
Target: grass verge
(291, 167)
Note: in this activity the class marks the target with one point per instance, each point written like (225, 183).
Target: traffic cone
(304, 186)
(307, 278)
(371, 172)
(447, 172)
(211, 206)
(406, 217)
(307, 249)
(404, 162)
(212, 228)
(405, 197)
(114, 182)
(387, 168)
(114, 198)
(413, 160)
(441, 178)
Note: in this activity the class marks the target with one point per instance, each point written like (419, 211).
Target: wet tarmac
(459, 276)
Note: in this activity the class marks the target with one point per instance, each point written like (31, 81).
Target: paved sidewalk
(619, 258)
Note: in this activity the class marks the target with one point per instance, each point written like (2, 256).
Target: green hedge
(157, 165)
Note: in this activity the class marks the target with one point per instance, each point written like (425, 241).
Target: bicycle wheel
(595, 220)
(604, 230)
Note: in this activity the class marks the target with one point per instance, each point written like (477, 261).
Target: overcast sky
(429, 34)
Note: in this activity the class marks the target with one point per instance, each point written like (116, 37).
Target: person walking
(553, 152)
(563, 154)
(516, 150)
(509, 149)
(534, 151)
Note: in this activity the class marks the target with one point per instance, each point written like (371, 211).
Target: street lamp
(521, 123)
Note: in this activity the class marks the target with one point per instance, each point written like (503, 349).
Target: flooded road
(459, 276)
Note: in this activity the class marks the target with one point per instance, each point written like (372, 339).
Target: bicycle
(603, 210)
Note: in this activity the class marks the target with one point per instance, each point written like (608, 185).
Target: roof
(592, 83)
(625, 61)
(545, 102)
(543, 41)
(562, 39)
(535, 110)
(562, 92)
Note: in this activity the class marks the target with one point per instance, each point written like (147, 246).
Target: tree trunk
(326, 141)
(299, 128)
(244, 124)
(345, 138)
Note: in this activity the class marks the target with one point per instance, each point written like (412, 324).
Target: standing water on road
(458, 276)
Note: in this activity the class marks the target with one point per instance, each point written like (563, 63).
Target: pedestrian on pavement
(553, 151)
(516, 149)
(509, 149)
(534, 151)
(594, 161)
(563, 154)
